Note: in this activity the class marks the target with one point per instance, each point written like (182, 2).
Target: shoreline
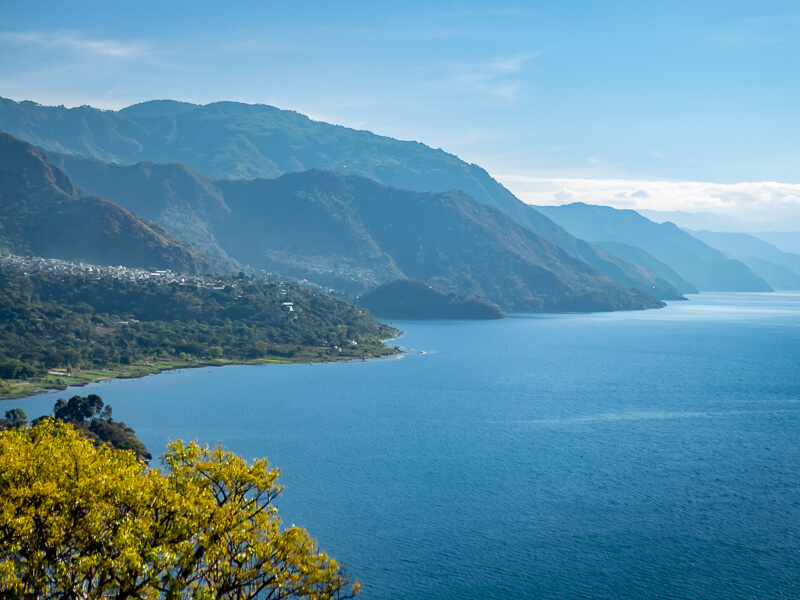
(85, 377)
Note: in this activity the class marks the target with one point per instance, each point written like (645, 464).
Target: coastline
(79, 378)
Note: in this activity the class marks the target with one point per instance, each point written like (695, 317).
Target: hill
(60, 321)
(172, 195)
(702, 266)
(410, 298)
(42, 213)
(229, 140)
(788, 241)
(351, 233)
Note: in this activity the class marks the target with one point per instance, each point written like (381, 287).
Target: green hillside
(410, 298)
(56, 326)
(42, 213)
(228, 140)
(351, 233)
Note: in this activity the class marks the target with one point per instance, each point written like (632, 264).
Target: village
(34, 264)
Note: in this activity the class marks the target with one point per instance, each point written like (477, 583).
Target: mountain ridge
(43, 213)
(695, 261)
(234, 141)
(351, 233)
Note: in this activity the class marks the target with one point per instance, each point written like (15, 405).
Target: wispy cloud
(77, 42)
(763, 201)
(498, 79)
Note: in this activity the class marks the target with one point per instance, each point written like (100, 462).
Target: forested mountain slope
(241, 141)
(42, 213)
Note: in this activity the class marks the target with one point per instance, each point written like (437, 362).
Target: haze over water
(623, 455)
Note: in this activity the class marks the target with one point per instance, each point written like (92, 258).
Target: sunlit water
(626, 455)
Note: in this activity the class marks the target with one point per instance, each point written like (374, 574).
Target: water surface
(620, 455)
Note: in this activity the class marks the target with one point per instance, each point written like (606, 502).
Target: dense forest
(52, 322)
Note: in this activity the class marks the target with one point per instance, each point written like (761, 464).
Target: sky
(690, 106)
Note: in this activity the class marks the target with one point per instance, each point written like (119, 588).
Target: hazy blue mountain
(696, 262)
(788, 241)
(700, 220)
(615, 266)
(233, 141)
(352, 232)
(660, 270)
(740, 245)
(780, 269)
(778, 276)
(42, 213)
(158, 108)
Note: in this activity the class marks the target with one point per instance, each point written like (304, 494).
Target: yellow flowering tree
(85, 521)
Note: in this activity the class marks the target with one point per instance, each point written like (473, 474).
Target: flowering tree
(88, 522)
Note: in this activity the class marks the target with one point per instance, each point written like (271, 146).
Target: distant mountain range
(241, 184)
(698, 263)
(228, 140)
(788, 241)
(352, 233)
(43, 213)
(780, 269)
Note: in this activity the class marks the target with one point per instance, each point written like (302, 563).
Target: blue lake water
(636, 455)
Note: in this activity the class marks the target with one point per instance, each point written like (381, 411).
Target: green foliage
(93, 418)
(85, 521)
(78, 408)
(16, 417)
(12, 368)
(50, 321)
(50, 217)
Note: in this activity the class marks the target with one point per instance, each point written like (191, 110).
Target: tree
(78, 408)
(85, 521)
(16, 417)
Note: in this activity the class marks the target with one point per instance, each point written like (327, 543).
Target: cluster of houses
(34, 264)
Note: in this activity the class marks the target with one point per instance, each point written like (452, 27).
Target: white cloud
(497, 79)
(764, 201)
(76, 41)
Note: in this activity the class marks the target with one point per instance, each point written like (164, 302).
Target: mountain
(788, 241)
(352, 232)
(158, 108)
(701, 220)
(172, 195)
(704, 267)
(780, 269)
(43, 213)
(412, 299)
(661, 271)
(229, 140)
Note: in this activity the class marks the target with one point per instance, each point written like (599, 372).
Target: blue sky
(550, 97)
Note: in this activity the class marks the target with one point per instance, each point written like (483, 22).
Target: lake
(634, 455)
